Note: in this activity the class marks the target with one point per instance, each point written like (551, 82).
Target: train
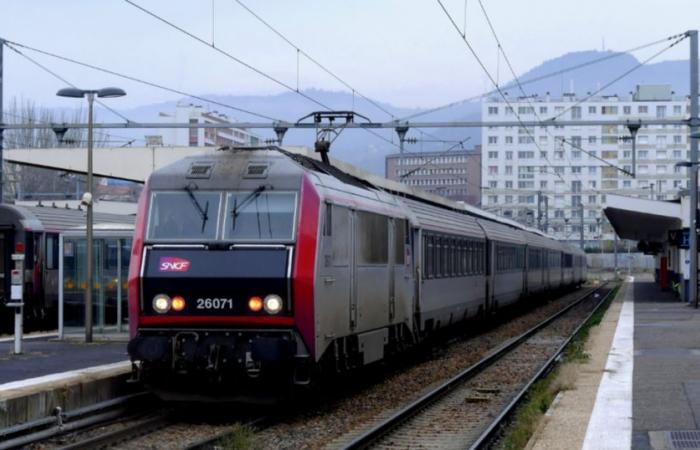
(34, 230)
(266, 268)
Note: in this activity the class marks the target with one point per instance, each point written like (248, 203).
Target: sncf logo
(173, 264)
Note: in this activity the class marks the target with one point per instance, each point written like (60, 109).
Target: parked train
(34, 231)
(262, 266)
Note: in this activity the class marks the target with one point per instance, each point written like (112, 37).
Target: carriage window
(399, 241)
(337, 227)
(372, 238)
(179, 216)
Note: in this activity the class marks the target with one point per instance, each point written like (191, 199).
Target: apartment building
(199, 137)
(574, 167)
(452, 174)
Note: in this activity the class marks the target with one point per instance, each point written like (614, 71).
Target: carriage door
(401, 287)
(335, 273)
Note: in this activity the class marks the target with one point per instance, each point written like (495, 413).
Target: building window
(677, 109)
(493, 184)
(509, 185)
(592, 110)
(493, 110)
(543, 110)
(493, 199)
(642, 109)
(493, 140)
(660, 111)
(526, 140)
(593, 139)
(493, 155)
(592, 199)
(509, 155)
(509, 170)
(493, 170)
(677, 139)
(608, 110)
(509, 139)
(627, 110)
(575, 112)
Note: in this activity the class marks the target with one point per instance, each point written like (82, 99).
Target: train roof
(49, 218)
(399, 188)
(352, 175)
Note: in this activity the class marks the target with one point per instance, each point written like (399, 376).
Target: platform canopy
(128, 163)
(641, 219)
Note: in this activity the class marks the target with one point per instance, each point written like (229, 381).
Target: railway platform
(640, 388)
(51, 373)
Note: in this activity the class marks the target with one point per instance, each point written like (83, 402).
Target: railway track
(129, 407)
(471, 408)
(119, 423)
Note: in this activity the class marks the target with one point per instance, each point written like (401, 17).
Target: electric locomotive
(265, 267)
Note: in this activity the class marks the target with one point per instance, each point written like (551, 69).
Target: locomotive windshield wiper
(249, 198)
(202, 211)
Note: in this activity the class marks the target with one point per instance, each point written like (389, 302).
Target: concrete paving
(666, 388)
(665, 382)
(44, 357)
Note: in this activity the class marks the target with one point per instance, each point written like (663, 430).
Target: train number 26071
(214, 303)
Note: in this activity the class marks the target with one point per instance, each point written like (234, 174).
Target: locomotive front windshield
(260, 215)
(184, 215)
(248, 216)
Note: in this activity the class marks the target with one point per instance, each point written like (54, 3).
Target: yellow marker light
(255, 304)
(178, 303)
(273, 304)
(161, 303)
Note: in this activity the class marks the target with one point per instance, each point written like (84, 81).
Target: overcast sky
(404, 52)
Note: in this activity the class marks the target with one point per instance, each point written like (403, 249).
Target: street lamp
(73, 92)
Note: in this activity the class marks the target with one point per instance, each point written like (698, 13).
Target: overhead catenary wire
(141, 81)
(516, 79)
(238, 60)
(60, 78)
(490, 77)
(227, 54)
(459, 144)
(300, 51)
(543, 77)
(621, 76)
(529, 100)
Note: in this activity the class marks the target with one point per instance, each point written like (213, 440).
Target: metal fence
(625, 261)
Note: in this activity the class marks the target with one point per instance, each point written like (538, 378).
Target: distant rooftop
(643, 93)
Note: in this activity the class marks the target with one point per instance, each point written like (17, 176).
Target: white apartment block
(519, 164)
(199, 137)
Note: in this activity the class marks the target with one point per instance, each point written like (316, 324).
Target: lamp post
(73, 92)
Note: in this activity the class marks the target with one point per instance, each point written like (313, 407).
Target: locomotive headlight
(161, 303)
(273, 304)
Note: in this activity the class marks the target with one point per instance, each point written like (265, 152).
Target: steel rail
(64, 422)
(414, 408)
(488, 435)
(127, 433)
(210, 442)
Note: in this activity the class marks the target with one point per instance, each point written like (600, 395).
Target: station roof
(642, 219)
